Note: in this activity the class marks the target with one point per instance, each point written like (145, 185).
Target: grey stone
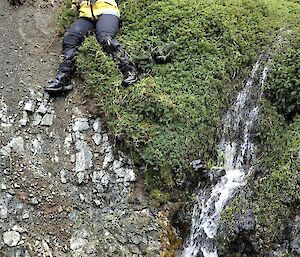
(295, 244)
(117, 164)
(17, 144)
(84, 160)
(120, 172)
(19, 229)
(42, 109)
(246, 221)
(24, 119)
(11, 238)
(37, 118)
(3, 210)
(97, 176)
(216, 173)
(105, 137)
(197, 165)
(47, 119)
(29, 106)
(80, 177)
(105, 180)
(81, 124)
(136, 239)
(97, 138)
(46, 248)
(68, 142)
(34, 201)
(129, 176)
(77, 243)
(97, 202)
(106, 147)
(5, 150)
(63, 176)
(97, 125)
(108, 159)
(37, 148)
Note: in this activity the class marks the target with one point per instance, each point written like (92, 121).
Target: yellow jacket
(92, 11)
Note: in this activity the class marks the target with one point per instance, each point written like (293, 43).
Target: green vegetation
(278, 191)
(283, 88)
(173, 114)
(192, 56)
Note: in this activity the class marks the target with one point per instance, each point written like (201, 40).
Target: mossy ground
(190, 55)
(193, 57)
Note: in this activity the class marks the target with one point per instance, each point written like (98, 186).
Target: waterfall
(238, 153)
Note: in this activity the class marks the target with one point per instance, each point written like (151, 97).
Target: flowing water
(238, 152)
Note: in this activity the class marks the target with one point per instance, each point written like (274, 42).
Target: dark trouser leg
(72, 40)
(106, 28)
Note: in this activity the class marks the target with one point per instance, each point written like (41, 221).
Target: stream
(238, 153)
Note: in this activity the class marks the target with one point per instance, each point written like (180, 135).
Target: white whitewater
(238, 152)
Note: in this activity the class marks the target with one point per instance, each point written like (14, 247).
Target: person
(103, 17)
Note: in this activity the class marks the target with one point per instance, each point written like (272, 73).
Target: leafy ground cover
(193, 56)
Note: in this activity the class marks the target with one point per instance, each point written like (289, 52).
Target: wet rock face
(240, 232)
(64, 191)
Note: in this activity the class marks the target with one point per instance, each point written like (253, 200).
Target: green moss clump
(283, 88)
(277, 191)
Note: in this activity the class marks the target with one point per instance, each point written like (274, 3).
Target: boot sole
(129, 83)
(58, 89)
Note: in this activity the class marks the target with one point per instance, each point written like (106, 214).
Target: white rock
(105, 137)
(24, 119)
(3, 210)
(25, 215)
(81, 124)
(84, 160)
(45, 246)
(29, 106)
(97, 125)
(5, 150)
(130, 176)
(11, 238)
(97, 175)
(68, 141)
(77, 243)
(97, 138)
(47, 120)
(105, 180)
(19, 229)
(37, 118)
(37, 148)
(42, 109)
(63, 176)
(17, 144)
(107, 160)
(80, 177)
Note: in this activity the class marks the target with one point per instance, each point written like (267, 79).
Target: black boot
(130, 74)
(62, 81)
(113, 47)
